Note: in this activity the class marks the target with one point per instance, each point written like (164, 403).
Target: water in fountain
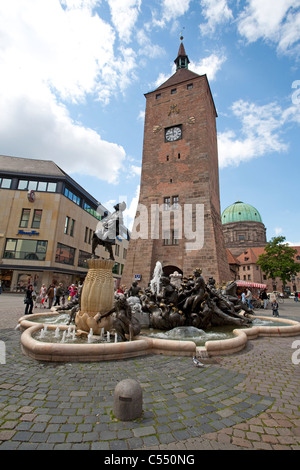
(90, 335)
(64, 337)
(73, 334)
(155, 282)
(108, 337)
(42, 333)
(57, 332)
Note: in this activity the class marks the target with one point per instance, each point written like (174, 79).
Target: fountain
(183, 315)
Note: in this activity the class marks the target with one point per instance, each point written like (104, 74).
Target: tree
(278, 260)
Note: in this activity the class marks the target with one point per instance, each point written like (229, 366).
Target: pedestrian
(264, 297)
(58, 294)
(296, 297)
(43, 293)
(275, 307)
(73, 292)
(50, 295)
(249, 298)
(28, 300)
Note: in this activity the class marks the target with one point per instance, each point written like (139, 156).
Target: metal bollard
(128, 400)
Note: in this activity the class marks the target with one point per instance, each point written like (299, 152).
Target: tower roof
(182, 71)
(240, 212)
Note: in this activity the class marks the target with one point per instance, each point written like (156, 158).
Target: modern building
(178, 221)
(47, 221)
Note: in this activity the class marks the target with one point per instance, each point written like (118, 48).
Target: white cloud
(277, 22)
(124, 15)
(216, 12)
(170, 11)
(52, 53)
(261, 130)
(129, 213)
(208, 65)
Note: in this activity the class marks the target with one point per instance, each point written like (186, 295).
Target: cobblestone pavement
(249, 400)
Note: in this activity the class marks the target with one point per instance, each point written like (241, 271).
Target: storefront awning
(250, 284)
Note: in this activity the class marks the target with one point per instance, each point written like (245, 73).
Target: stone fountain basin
(142, 345)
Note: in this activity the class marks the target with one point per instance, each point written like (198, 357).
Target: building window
(116, 268)
(70, 195)
(117, 250)
(170, 237)
(24, 218)
(189, 86)
(124, 253)
(158, 96)
(175, 202)
(82, 259)
(34, 250)
(167, 203)
(67, 221)
(86, 234)
(173, 91)
(64, 254)
(43, 186)
(5, 183)
(72, 226)
(37, 217)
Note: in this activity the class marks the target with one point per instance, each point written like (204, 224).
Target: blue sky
(74, 74)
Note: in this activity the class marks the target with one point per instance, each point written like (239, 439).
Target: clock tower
(178, 220)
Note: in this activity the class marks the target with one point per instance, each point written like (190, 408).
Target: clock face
(173, 133)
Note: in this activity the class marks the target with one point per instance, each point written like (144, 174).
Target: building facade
(178, 221)
(47, 222)
(245, 239)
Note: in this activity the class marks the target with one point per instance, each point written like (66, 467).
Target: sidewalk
(250, 400)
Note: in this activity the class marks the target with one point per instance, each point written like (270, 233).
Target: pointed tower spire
(182, 60)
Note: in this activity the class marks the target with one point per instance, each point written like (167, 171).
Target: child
(275, 308)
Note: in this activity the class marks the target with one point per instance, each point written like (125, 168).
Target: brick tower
(178, 221)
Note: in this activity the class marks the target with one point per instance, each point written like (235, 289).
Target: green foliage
(278, 260)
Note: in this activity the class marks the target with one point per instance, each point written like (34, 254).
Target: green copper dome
(240, 212)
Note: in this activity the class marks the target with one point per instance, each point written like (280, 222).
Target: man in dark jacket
(58, 294)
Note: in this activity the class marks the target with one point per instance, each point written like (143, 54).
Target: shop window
(82, 259)
(34, 250)
(65, 254)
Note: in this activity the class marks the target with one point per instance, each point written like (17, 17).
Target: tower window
(167, 203)
(179, 156)
(167, 158)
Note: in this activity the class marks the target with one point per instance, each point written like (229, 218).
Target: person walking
(73, 292)
(264, 297)
(29, 300)
(50, 294)
(43, 293)
(249, 298)
(275, 307)
(58, 294)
